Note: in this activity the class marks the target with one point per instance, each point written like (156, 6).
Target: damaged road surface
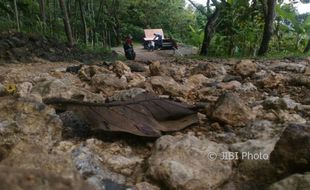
(144, 115)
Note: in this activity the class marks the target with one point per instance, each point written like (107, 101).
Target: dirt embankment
(21, 47)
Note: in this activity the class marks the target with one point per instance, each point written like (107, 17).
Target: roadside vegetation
(228, 28)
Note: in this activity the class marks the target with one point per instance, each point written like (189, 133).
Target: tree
(16, 16)
(83, 19)
(269, 14)
(42, 11)
(66, 22)
(307, 49)
(209, 31)
(211, 25)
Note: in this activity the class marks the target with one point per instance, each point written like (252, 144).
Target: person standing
(158, 40)
(151, 45)
(128, 48)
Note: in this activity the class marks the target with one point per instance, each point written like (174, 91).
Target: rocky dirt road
(143, 55)
(253, 129)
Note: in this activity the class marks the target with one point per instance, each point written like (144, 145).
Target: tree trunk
(43, 13)
(209, 32)
(307, 49)
(66, 22)
(83, 21)
(269, 14)
(16, 16)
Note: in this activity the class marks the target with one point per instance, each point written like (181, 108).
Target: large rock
(146, 186)
(293, 182)
(167, 85)
(282, 66)
(210, 70)
(229, 85)
(286, 117)
(156, 69)
(22, 119)
(136, 80)
(260, 129)
(261, 147)
(280, 103)
(90, 167)
(107, 83)
(300, 80)
(124, 95)
(247, 87)
(254, 157)
(292, 151)
(272, 80)
(230, 109)
(184, 162)
(87, 72)
(29, 134)
(117, 157)
(17, 178)
(196, 81)
(64, 89)
(245, 67)
(120, 69)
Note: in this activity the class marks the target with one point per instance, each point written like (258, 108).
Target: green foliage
(107, 22)
(196, 36)
(240, 29)
(294, 32)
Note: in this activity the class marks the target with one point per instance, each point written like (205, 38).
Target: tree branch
(199, 8)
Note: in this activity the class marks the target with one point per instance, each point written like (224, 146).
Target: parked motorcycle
(129, 52)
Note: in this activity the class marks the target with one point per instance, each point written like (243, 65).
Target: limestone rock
(135, 80)
(257, 146)
(230, 109)
(181, 162)
(260, 129)
(146, 186)
(107, 83)
(292, 153)
(287, 117)
(33, 120)
(229, 85)
(24, 89)
(124, 95)
(64, 89)
(245, 67)
(120, 69)
(89, 166)
(282, 66)
(300, 80)
(247, 87)
(196, 81)
(167, 85)
(156, 69)
(29, 131)
(136, 67)
(209, 70)
(272, 80)
(17, 178)
(87, 72)
(118, 158)
(177, 72)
